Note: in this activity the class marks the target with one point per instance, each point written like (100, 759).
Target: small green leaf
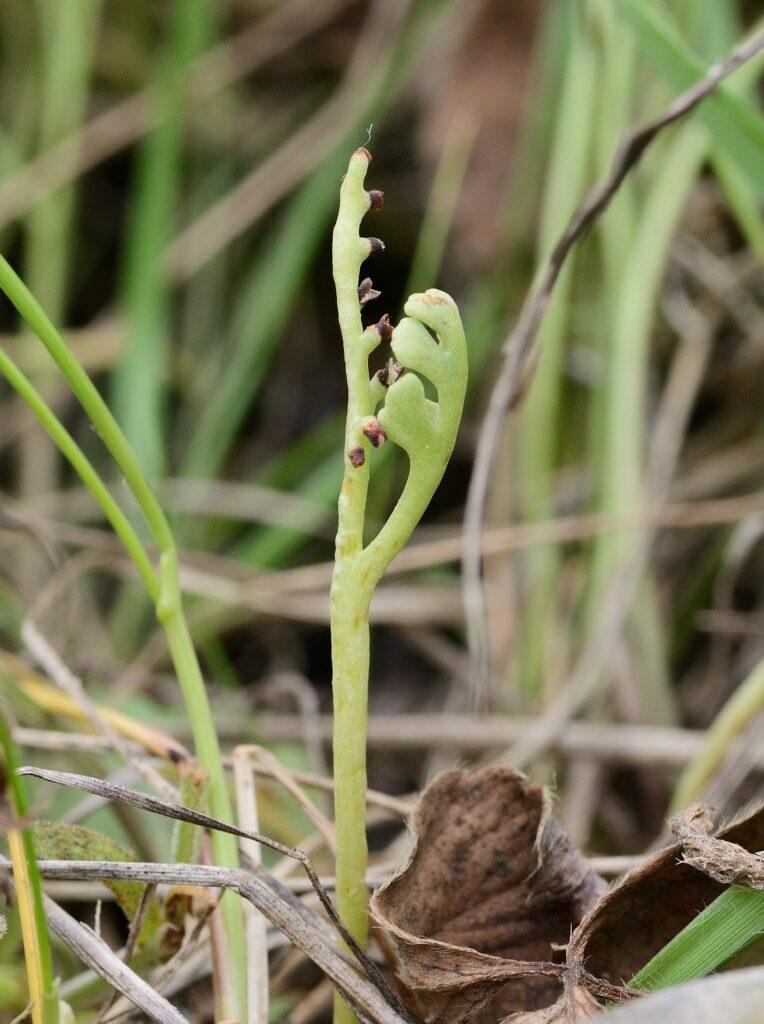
(62, 841)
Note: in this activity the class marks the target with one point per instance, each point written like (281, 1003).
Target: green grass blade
(439, 215)
(68, 39)
(262, 311)
(634, 310)
(733, 121)
(68, 34)
(725, 928)
(139, 385)
(569, 166)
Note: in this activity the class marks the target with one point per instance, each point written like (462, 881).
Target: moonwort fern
(390, 405)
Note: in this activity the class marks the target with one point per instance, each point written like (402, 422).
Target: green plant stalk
(84, 469)
(426, 430)
(167, 595)
(349, 597)
(139, 384)
(39, 963)
(139, 380)
(539, 445)
(739, 711)
(725, 928)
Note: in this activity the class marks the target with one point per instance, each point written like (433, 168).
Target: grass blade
(725, 928)
(734, 123)
(140, 379)
(39, 963)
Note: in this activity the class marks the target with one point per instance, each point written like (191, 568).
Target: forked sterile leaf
(423, 428)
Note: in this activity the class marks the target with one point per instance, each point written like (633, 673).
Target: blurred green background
(169, 176)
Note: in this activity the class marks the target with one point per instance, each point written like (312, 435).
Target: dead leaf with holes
(491, 890)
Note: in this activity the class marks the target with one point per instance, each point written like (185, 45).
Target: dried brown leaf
(574, 1005)
(492, 885)
(651, 904)
(720, 859)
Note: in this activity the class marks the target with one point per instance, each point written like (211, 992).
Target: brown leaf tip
(384, 328)
(373, 430)
(357, 457)
(375, 245)
(363, 151)
(376, 199)
(367, 292)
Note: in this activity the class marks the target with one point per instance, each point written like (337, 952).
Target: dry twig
(364, 998)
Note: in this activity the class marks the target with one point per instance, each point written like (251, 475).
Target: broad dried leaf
(651, 904)
(491, 887)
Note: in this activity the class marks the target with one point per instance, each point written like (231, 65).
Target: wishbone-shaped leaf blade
(407, 417)
(425, 430)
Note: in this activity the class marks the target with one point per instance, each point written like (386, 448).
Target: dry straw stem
(515, 371)
(658, 746)
(254, 922)
(96, 954)
(367, 1002)
(55, 702)
(742, 707)
(155, 805)
(70, 684)
(248, 752)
